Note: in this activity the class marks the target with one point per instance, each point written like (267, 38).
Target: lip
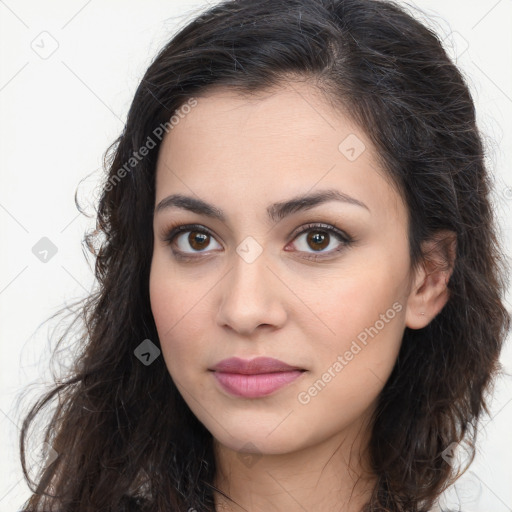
(255, 377)
(252, 366)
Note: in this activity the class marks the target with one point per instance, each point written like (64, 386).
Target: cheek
(175, 307)
(365, 314)
(353, 305)
(352, 365)
(174, 295)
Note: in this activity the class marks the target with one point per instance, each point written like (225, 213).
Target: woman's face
(246, 285)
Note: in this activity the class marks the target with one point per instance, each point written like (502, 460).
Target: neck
(329, 476)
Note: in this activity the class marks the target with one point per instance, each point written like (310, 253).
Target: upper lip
(253, 366)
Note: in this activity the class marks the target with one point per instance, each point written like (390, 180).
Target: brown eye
(313, 239)
(198, 240)
(317, 239)
(192, 240)
(189, 241)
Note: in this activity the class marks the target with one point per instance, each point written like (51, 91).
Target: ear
(429, 292)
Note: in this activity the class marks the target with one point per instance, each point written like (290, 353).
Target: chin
(253, 434)
(257, 443)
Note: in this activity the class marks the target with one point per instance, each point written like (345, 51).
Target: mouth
(254, 378)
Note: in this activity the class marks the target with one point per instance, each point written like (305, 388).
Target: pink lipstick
(255, 377)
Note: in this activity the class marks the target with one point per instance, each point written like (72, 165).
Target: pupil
(193, 238)
(317, 237)
(197, 240)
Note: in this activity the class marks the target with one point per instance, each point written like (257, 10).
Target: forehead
(269, 146)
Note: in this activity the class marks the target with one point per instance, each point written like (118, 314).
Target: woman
(300, 295)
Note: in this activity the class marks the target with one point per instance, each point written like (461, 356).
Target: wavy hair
(125, 439)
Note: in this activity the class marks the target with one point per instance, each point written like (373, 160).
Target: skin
(241, 154)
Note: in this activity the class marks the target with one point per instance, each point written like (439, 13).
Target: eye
(319, 237)
(199, 238)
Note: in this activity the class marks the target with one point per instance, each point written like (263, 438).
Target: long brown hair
(123, 436)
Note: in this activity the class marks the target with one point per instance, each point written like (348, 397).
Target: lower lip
(254, 386)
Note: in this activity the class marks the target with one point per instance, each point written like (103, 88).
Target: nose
(252, 296)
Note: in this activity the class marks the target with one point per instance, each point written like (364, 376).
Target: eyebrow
(275, 212)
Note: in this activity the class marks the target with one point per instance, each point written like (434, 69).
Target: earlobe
(429, 292)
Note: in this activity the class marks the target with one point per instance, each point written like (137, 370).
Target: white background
(60, 113)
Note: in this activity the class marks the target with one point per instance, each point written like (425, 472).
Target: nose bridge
(250, 297)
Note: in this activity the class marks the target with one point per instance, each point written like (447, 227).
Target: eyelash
(172, 232)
